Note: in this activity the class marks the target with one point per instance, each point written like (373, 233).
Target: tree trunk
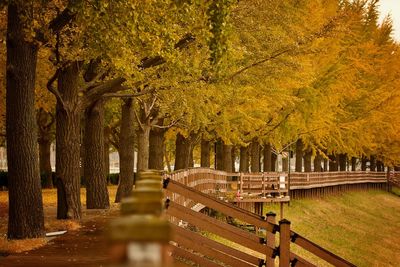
(274, 157)
(191, 159)
(45, 122)
(342, 162)
(379, 166)
(96, 183)
(353, 164)
(227, 158)
(68, 119)
(44, 160)
(219, 155)
(182, 152)
(333, 164)
(397, 168)
(267, 158)
(205, 154)
(307, 161)
(143, 135)
(325, 165)
(317, 162)
(233, 156)
(244, 159)
(82, 153)
(285, 164)
(372, 163)
(107, 132)
(255, 156)
(126, 150)
(299, 156)
(26, 218)
(364, 161)
(156, 151)
(167, 160)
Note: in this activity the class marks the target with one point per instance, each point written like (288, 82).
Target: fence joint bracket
(165, 183)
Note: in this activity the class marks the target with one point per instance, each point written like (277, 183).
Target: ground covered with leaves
(51, 223)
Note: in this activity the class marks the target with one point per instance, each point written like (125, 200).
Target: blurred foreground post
(141, 237)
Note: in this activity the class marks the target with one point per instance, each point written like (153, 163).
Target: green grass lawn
(362, 227)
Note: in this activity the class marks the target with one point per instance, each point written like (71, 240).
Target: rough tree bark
(244, 159)
(182, 152)
(372, 163)
(126, 150)
(342, 162)
(353, 164)
(156, 151)
(205, 153)
(317, 162)
(26, 218)
(274, 158)
(44, 159)
(96, 183)
(106, 155)
(191, 159)
(227, 157)
(68, 118)
(219, 155)
(364, 161)
(233, 157)
(299, 156)
(255, 156)
(379, 166)
(143, 139)
(307, 161)
(45, 122)
(333, 163)
(285, 164)
(325, 165)
(267, 158)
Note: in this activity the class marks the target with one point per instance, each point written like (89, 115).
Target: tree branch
(166, 126)
(54, 90)
(138, 120)
(93, 82)
(282, 121)
(158, 60)
(62, 19)
(153, 102)
(273, 56)
(113, 85)
(329, 26)
(144, 92)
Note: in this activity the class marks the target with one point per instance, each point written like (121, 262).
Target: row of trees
(164, 77)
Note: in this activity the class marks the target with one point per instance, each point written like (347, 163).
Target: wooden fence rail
(394, 179)
(232, 257)
(244, 187)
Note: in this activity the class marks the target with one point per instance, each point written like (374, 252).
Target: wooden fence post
(271, 218)
(284, 243)
(263, 184)
(241, 184)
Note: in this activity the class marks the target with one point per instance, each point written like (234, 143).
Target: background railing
(273, 184)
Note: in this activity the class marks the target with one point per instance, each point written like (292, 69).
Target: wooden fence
(190, 244)
(394, 179)
(318, 184)
(272, 184)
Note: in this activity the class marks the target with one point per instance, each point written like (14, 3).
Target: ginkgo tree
(320, 74)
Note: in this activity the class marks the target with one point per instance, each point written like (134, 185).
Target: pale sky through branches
(391, 7)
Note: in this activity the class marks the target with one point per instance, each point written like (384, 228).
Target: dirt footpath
(84, 247)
